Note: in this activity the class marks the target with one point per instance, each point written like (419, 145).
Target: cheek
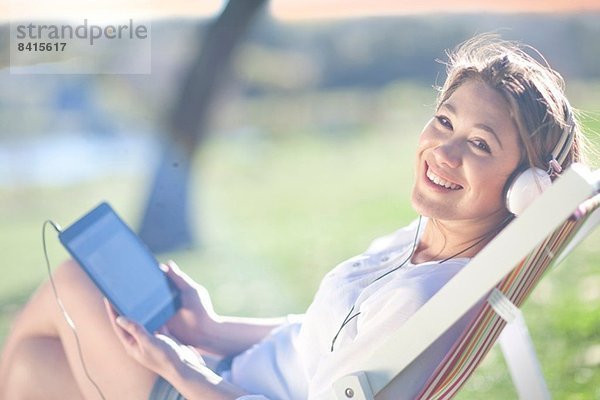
(490, 181)
(427, 140)
(428, 136)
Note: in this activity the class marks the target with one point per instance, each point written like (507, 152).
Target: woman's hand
(180, 365)
(196, 318)
(197, 324)
(159, 353)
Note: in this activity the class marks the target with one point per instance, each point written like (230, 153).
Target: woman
(498, 111)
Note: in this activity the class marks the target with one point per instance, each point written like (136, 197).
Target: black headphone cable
(66, 316)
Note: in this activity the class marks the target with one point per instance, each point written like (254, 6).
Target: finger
(179, 278)
(134, 335)
(121, 325)
(122, 334)
(112, 316)
(112, 313)
(130, 327)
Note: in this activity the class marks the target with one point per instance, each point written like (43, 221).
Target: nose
(448, 154)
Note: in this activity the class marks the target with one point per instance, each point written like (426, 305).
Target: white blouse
(295, 361)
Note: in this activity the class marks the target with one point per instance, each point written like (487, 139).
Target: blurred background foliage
(308, 157)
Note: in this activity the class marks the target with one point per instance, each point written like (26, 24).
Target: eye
(481, 145)
(444, 121)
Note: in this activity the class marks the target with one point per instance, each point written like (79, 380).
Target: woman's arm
(233, 335)
(198, 325)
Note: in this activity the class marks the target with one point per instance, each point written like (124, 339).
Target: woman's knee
(42, 315)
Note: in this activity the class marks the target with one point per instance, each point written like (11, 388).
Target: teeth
(442, 182)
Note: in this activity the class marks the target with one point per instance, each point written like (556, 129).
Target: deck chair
(504, 273)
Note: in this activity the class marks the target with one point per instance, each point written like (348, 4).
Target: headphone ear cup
(524, 188)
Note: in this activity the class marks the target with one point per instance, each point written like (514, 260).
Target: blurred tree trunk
(166, 225)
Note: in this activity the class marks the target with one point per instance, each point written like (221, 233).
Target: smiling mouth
(441, 181)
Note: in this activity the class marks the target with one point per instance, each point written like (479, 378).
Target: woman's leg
(39, 370)
(117, 375)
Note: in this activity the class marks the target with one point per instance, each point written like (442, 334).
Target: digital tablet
(122, 267)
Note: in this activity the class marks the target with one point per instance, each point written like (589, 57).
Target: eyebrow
(479, 125)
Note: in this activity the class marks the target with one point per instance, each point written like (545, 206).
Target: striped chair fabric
(479, 337)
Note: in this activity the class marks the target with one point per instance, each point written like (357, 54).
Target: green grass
(275, 209)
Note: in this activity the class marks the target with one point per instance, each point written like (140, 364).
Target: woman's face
(465, 155)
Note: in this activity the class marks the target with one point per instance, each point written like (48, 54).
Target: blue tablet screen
(121, 266)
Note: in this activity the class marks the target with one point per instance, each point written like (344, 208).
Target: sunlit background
(304, 155)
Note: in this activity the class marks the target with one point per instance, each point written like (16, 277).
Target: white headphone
(528, 183)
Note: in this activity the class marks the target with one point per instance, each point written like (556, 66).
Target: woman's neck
(449, 239)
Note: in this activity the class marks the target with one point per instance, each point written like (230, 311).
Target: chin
(425, 207)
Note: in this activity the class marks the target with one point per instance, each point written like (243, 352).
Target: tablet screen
(121, 266)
